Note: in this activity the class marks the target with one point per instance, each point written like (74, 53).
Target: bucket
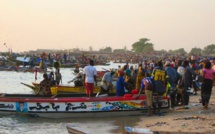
(127, 96)
(53, 90)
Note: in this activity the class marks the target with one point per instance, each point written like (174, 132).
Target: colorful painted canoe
(69, 89)
(74, 105)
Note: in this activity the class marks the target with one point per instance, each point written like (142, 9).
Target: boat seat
(102, 95)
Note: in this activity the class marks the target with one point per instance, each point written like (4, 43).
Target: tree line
(143, 45)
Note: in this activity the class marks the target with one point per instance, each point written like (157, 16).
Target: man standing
(172, 79)
(186, 82)
(159, 76)
(90, 77)
(147, 85)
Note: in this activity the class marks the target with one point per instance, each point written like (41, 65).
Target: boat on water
(67, 89)
(74, 105)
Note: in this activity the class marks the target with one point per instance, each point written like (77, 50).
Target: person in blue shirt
(120, 84)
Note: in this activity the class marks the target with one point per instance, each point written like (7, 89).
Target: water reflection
(14, 124)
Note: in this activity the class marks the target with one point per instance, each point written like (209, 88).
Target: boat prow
(75, 130)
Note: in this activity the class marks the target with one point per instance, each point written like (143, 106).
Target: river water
(19, 124)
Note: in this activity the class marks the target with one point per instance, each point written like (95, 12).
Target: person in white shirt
(90, 77)
(106, 84)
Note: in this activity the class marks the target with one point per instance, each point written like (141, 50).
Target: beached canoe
(75, 105)
(74, 130)
(69, 89)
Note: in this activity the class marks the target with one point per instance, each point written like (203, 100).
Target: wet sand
(196, 119)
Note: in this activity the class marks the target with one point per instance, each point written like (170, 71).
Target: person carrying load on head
(159, 76)
(45, 85)
(147, 84)
(107, 79)
(90, 77)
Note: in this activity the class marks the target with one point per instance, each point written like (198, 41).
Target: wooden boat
(73, 130)
(69, 89)
(74, 105)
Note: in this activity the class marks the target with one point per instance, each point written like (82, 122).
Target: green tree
(196, 51)
(142, 46)
(210, 49)
(118, 50)
(107, 49)
(180, 50)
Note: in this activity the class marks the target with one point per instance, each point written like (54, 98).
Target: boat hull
(74, 106)
(69, 89)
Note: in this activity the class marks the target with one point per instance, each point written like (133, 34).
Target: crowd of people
(154, 78)
(175, 80)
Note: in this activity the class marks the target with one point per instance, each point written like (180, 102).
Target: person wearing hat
(106, 84)
(90, 78)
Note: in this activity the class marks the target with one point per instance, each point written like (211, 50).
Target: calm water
(20, 124)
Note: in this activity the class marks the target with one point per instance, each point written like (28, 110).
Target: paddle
(105, 69)
(74, 78)
(32, 87)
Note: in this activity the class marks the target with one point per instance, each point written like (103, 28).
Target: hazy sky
(63, 24)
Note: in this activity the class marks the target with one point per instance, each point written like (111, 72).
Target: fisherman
(45, 85)
(76, 70)
(51, 77)
(147, 84)
(173, 81)
(129, 80)
(57, 77)
(120, 84)
(159, 76)
(90, 77)
(140, 76)
(186, 83)
(106, 84)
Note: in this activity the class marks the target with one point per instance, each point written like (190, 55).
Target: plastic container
(53, 90)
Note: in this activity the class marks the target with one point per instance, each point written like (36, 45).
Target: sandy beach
(196, 119)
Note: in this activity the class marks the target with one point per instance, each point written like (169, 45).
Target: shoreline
(196, 119)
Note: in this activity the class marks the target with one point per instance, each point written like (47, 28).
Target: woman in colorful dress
(207, 84)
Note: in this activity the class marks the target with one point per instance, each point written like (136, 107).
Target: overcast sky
(64, 24)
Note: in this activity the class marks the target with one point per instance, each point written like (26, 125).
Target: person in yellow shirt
(159, 76)
(140, 76)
